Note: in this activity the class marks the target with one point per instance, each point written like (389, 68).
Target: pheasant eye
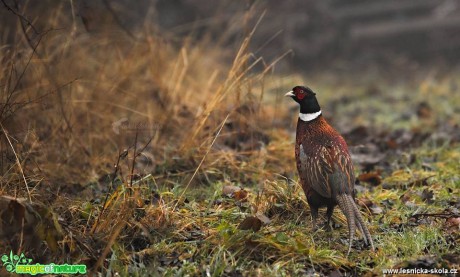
(300, 94)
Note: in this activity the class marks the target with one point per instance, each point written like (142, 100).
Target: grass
(191, 124)
(288, 246)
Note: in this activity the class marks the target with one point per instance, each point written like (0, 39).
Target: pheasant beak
(289, 94)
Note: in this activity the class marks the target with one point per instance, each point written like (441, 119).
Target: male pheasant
(324, 165)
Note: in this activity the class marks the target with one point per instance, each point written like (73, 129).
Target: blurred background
(317, 34)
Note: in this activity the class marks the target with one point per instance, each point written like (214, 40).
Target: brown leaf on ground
(235, 192)
(427, 196)
(452, 225)
(372, 178)
(241, 195)
(250, 222)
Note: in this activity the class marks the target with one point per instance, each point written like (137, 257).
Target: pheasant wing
(328, 170)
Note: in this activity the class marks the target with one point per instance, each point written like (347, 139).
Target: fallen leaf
(376, 209)
(240, 194)
(235, 192)
(427, 196)
(454, 221)
(250, 222)
(265, 220)
(372, 178)
(229, 190)
(452, 225)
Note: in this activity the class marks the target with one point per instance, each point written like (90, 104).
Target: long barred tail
(348, 206)
(363, 227)
(347, 209)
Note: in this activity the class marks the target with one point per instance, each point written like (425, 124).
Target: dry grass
(182, 118)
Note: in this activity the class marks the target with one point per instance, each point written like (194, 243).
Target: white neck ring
(309, 116)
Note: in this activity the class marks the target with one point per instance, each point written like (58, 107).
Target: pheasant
(324, 165)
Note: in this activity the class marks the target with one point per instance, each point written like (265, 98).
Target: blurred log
(372, 8)
(391, 28)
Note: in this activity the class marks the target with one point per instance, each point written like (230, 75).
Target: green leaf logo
(10, 262)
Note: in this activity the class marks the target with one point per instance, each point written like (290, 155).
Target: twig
(19, 15)
(440, 215)
(145, 146)
(134, 159)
